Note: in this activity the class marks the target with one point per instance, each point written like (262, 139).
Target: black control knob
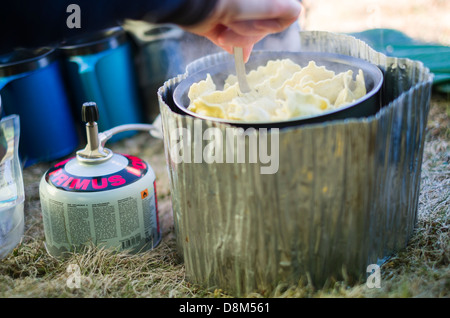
(89, 112)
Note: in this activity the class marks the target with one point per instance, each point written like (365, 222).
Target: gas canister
(100, 197)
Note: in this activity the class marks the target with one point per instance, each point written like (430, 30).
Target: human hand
(245, 22)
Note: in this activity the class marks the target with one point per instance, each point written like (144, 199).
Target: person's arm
(34, 23)
(227, 23)
(245, 22)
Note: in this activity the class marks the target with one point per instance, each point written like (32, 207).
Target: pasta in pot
(280, 90)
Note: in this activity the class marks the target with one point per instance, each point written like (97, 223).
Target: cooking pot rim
(182, 88)
(99, 41)
(39, 58)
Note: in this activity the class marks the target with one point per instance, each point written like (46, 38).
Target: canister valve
(94, 151)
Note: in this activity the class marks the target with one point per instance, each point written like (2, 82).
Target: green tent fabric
(397, 44)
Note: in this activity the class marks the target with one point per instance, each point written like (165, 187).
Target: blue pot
(31, 86)
(100, 69)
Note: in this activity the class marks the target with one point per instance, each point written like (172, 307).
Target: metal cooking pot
(366, 106)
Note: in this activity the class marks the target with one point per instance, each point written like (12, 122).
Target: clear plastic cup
(11, 186)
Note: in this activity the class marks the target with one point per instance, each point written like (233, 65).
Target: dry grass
(421, 270)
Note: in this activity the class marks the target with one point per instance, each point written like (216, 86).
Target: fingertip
(229, 49)
(247, 50)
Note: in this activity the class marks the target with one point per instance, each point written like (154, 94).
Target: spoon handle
(240, 70)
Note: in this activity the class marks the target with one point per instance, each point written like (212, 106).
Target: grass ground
(420, 270)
